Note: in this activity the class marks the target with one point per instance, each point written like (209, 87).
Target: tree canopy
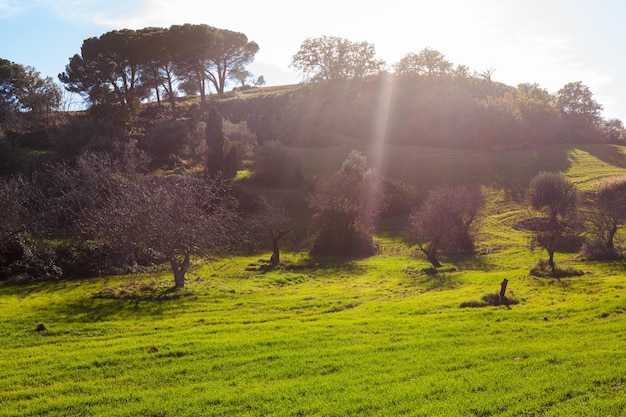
(331, 58)
(427, 62)
(123, 66)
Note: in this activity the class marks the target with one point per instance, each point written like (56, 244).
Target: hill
(379, 336)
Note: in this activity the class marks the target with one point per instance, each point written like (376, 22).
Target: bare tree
(174, 217)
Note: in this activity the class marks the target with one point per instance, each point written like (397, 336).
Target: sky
(548, 42)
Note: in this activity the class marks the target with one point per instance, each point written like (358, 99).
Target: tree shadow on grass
(611, 154)
(471, 261)
(125, 300)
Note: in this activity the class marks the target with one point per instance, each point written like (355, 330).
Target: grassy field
(325, 337)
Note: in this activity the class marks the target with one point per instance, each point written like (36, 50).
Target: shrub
(277, 165)
(399, 198)
(87, 134)
(490, 299)
(357, 243)
(595, 249)
(166, 141)
(25, 259)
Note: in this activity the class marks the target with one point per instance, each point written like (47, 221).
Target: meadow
(335, 337)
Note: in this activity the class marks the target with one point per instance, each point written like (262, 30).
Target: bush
(87, 134)
(25, 259)
(166, 141)
(277, 165)
(399, 198)
(595, 249)
(490, 299)
(90, 259)
(357, 243)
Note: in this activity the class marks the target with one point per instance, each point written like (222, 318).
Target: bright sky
(550, 42)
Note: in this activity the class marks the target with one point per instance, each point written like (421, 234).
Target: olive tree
(607, 212)
(555, 198)
(444, 221)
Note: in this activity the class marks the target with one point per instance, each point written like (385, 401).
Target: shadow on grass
(611, 154)
(124, 300)
(471, 261)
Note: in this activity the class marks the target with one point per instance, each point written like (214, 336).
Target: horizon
(550, 43)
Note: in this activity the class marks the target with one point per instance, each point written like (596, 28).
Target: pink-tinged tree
(345, 204)
(444, 221)
(174, 217)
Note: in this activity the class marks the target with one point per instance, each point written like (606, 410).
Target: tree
(232, 53)
(330, 58)
(214, 135)
(556, 198)
(345, 204)
(108, 69)
(613, 130)
(260, 81)
(537, 112)
(271, 219)
(41, 96)
(241, 75)
(173, 216)
(163, 57)
(15, 191)
(23, 90)
(576, 100)
(427, 62)
(13, 80)
(444, 220)
(607, 213)
(211, 54)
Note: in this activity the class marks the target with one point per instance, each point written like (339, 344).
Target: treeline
(133, 184)
(124, 67)
(444, 110)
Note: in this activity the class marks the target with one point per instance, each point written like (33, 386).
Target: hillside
(376, 337)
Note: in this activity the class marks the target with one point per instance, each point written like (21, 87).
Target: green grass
(363, 338)
(330, 337)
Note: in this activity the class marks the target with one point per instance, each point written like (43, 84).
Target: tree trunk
(611, 237)
(276, 237)
(179, 269)
(503, 285)
(432, 258)
(431, 254)
(551, 262)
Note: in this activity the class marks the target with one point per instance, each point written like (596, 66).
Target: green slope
(324, 337)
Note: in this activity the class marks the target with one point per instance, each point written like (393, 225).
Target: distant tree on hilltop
(329, 58)
(427, 62)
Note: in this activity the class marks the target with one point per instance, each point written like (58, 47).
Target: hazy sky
(550, 42)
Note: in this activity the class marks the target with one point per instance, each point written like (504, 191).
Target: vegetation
(345, 204)
(557, 199)
(410, 194)
(444, 219)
